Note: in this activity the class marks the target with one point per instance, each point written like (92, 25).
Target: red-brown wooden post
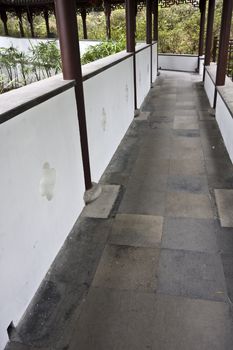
(148, 21)
(19, 15)
(46, 17)
(224, 42)
(107, 12)
(130, 38)
(30, 21)
(149, 31)
(202, 7)
(71, 67)
(84, 21)
(209, 32)
(214, 55)
(155, 26)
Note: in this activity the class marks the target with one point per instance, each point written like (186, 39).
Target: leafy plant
(103, 49)
(46, 60)
(18, 68)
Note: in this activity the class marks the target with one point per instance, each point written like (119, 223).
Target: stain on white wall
(107, 125)
(143, 77)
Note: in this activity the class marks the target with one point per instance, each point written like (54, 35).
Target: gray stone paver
(159, 274)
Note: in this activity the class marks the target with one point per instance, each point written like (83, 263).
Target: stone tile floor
(158, 273)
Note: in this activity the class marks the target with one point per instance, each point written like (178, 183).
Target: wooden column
(155, 13)
(71, 67)
(130, 39)
(202, 27)
(130, 25)
(19, 15)
(4, 20)
(84, 21)
(107, 12)
(224, 42)
(148, 21)
(46, 18)
(209, 32)
(30, 21)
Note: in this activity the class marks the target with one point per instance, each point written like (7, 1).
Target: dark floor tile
(186, 133)
(137, 230)
(224, 238)
(191, 274)
(189, 234)
(139, 202)
(182, 323)
(184, 183)
(152, 165)
(187, 167)
(229, 284)
(205, 115)
(227, 260)
(221, 181)
(119, 320)
(128, 268)
(219, 167)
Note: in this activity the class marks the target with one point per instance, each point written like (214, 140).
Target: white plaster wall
(178, 62)
(154, 61)
(109, 101)
(225, 123)
(209, 88)
(143, 75)
(33, 228)
(24, 44)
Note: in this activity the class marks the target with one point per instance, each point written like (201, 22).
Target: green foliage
(178, 27)
(103, 49)
(45, 59)
(18, 68)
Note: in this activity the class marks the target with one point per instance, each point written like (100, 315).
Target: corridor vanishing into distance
(158, 273)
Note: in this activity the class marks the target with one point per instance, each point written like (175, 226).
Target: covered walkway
(158, 273)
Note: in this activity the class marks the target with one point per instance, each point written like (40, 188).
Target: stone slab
(137, 230)
(102, 206)
(190, 234)
(119, 320)
(187, 167)
(224, 200)
(183, 122)
(184, 183)
(191, 274)
(128, 268)
(189, 324)
(143, 202)
(183, 204)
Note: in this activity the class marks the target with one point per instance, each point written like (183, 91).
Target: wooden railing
(229, 71)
